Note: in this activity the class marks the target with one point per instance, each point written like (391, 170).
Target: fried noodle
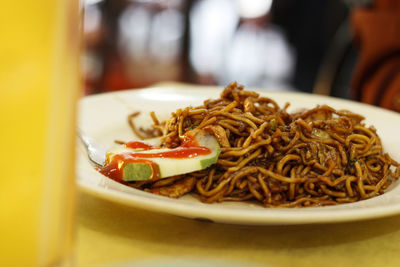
(315, 157)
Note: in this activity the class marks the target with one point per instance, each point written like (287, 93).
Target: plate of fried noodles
(286, 157)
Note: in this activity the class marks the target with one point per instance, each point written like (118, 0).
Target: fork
(95, 151)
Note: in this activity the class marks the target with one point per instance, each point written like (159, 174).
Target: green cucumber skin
(136, 172)
(205, 163)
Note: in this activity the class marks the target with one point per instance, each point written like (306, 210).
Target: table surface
(110, 234)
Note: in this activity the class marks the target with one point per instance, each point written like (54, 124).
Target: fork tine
(96, 152)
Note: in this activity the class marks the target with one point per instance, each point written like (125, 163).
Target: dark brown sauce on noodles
(315, 157)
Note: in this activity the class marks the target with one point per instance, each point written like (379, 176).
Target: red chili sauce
(138, 144)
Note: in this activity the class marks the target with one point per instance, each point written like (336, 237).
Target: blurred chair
(336, 69)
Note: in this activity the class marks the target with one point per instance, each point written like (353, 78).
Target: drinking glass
(39, 86)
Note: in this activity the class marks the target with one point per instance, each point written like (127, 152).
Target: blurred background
(306, 46)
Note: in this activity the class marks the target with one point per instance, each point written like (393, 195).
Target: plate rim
(252, 219)
(279, 216)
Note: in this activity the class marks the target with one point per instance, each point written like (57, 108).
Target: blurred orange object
(376, 78)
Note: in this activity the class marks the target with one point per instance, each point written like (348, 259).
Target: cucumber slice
(161, 167)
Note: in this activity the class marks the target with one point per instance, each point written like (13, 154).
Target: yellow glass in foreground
(39, 85)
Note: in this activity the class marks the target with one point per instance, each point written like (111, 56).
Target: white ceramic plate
(104, 117)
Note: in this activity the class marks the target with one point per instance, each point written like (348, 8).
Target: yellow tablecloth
(109, 234)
